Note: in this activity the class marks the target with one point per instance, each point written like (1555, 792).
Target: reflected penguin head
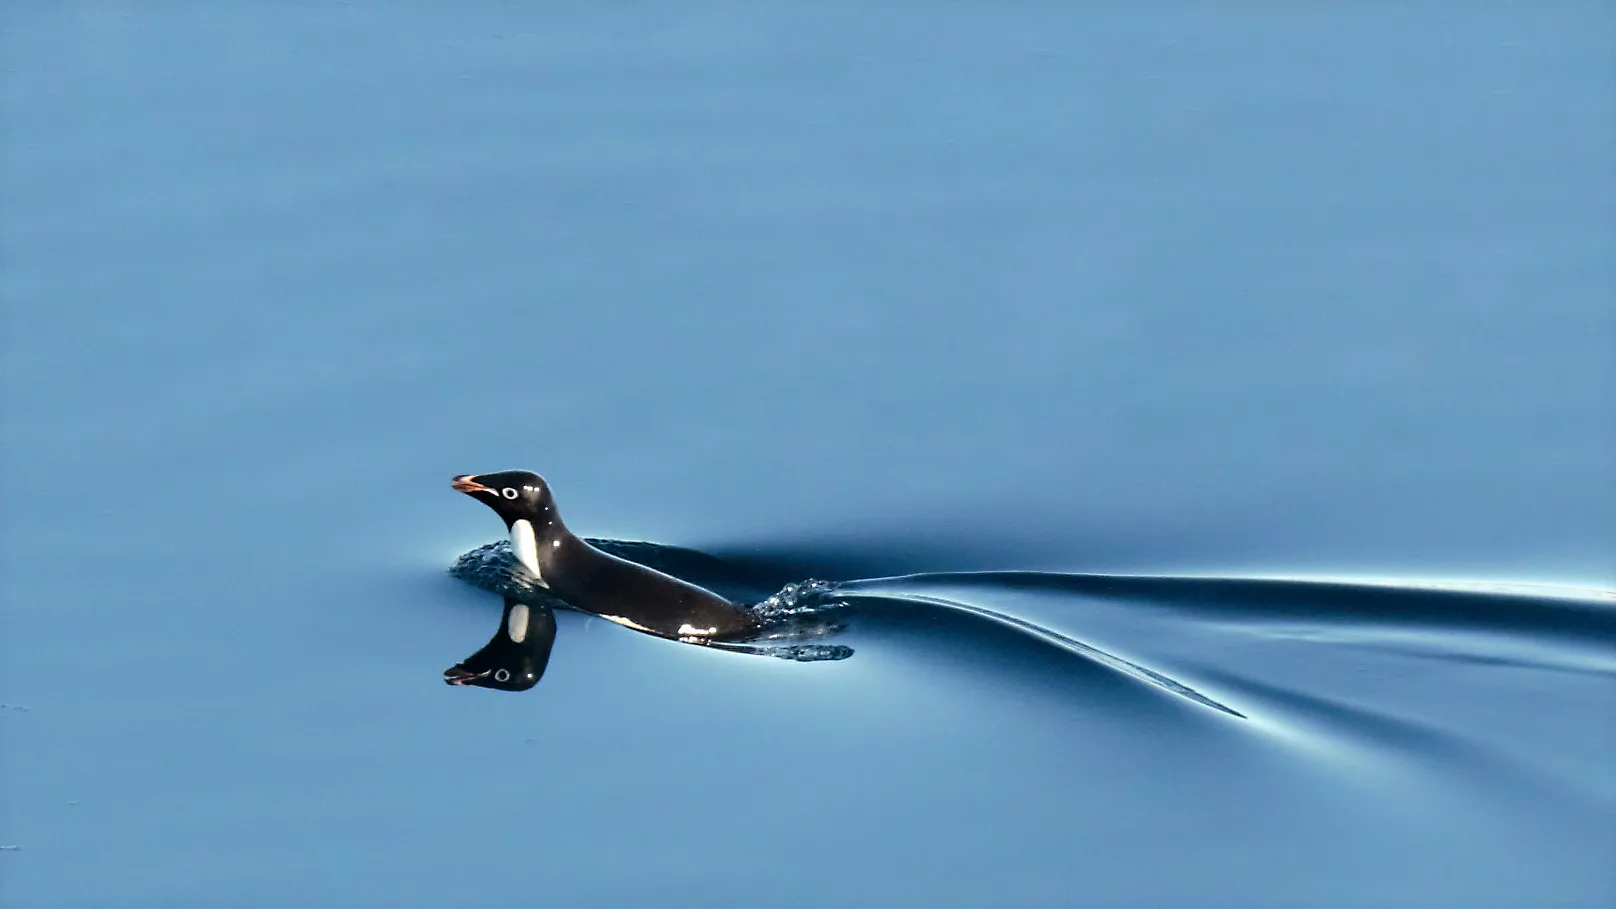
(514, 659)
(513, 494)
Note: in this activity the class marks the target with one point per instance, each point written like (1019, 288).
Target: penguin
(515, 657)
(597, 582)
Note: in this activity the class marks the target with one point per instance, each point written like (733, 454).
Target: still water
(1204, 421)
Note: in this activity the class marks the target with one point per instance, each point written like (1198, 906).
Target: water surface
(1253, 348)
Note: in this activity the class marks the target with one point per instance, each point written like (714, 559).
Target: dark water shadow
(1589, 619)
(953, 542)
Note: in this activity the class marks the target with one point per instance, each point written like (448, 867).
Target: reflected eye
(508, 492)
(502, 675)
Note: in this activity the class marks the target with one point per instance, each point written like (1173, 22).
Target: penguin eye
(502, 675)
(508, 492)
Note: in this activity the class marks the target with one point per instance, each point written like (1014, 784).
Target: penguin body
(597, 582)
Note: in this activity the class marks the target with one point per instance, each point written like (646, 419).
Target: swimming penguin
(515, 657)
(594, 581)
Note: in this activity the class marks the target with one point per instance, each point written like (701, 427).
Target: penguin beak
(468, 484)
(460, 675)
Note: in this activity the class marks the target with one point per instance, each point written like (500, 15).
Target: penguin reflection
(515, 657)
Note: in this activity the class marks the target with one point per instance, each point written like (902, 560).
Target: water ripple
(1164, 620)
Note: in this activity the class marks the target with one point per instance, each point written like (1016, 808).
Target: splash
(797, 599)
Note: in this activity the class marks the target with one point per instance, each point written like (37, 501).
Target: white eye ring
(508, 492)
(502, 675)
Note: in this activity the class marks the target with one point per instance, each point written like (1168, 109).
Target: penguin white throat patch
(526, 547)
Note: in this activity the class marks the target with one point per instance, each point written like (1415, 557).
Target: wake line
(1094, 653)
(1582, 612)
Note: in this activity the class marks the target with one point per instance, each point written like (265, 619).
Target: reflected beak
(460, 675)
(468, 484)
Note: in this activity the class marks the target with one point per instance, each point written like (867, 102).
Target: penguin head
(513, 494)
(515, 657)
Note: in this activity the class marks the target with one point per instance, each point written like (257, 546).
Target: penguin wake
(1172, 640)
(792, 619)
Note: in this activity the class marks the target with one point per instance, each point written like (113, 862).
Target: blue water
(1268, 352)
